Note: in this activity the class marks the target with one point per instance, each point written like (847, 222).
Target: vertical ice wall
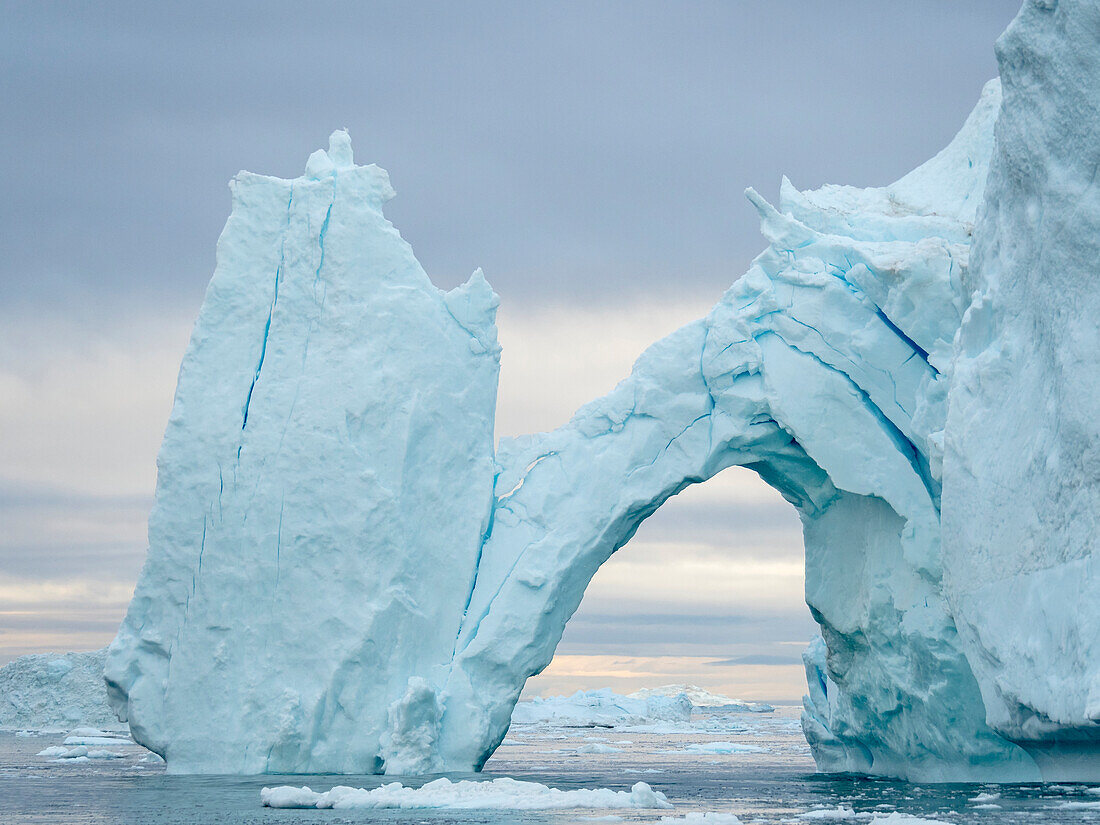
(323, 486)
(1022, 469)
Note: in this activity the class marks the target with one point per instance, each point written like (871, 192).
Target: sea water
(769, 778)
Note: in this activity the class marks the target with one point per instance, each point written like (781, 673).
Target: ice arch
(342, 577)
(821, 370)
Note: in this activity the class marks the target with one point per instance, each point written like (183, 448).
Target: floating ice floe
(596, 747)
(985, 797)
(80, 752)
(1076, 805)
(506, 794)
(703, 818)
(719, 748)
(841, 814)
(94, 736)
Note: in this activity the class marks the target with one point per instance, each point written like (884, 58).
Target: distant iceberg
(55, 692)
(603, 708)
(701, 698)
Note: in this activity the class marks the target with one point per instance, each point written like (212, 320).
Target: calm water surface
(768, 787)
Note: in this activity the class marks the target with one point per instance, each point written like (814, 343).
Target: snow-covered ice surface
(777, 785)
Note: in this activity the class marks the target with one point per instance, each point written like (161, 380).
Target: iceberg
(55, 692)
(345, 576)
(1021, 495)
(822, 368)
(323, 488)
(702, 698)
(602, 708)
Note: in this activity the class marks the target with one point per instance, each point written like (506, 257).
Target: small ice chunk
(98, 740)
(103, 753)
(985, 797)
(837, 814)
(596, 747)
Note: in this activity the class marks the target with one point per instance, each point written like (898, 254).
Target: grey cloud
(682, 634)
(576, 151)
(46, 545)
(15, 495)
(64, 623)
(92, 561)
(794, 657)
(731, 531)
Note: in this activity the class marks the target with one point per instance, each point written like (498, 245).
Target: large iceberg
(821, 369)
(1021, 486)
(323, 488)
(343, 575)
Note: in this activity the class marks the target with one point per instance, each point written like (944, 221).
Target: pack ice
(343, 576)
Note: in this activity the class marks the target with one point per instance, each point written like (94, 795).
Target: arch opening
(708, 592)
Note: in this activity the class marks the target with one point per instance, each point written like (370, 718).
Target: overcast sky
(590, 157)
